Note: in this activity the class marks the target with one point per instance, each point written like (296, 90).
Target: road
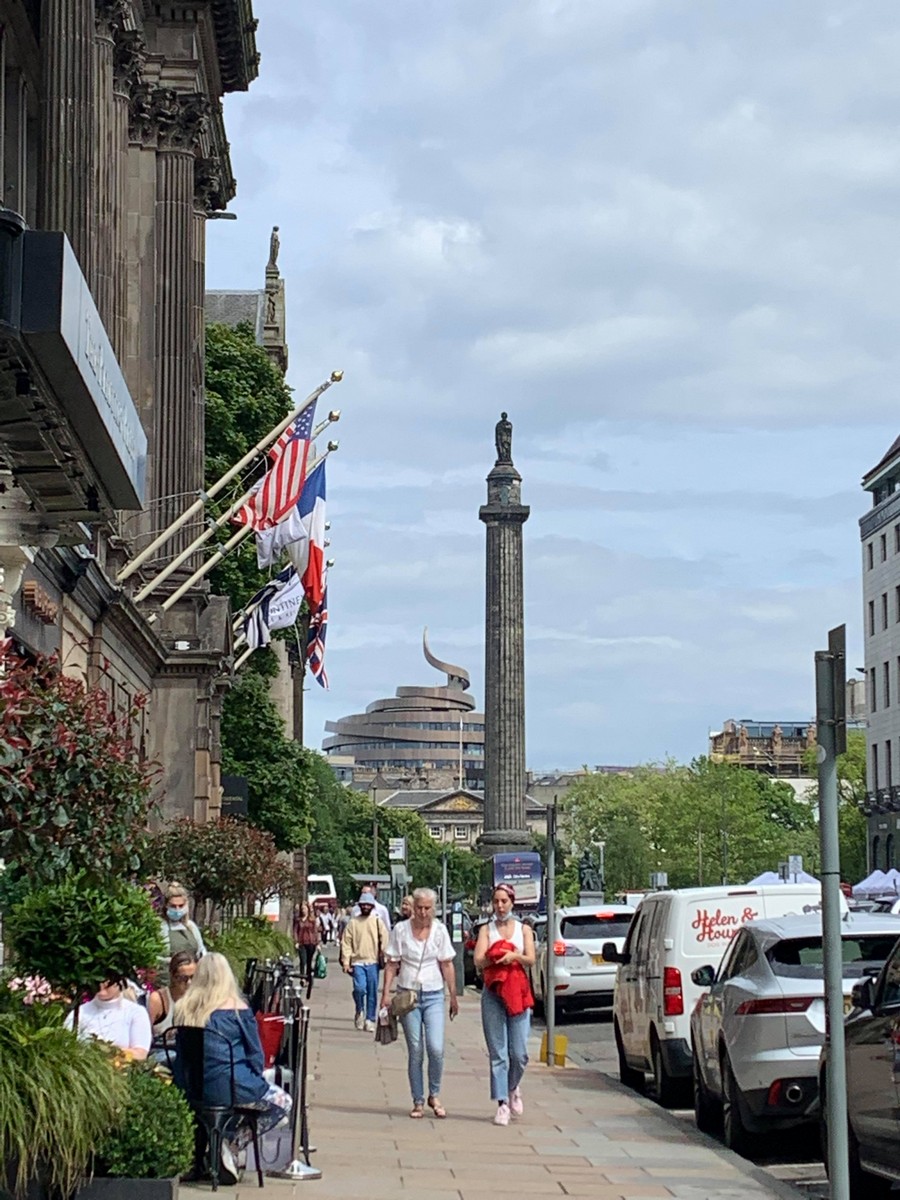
(792, 1157)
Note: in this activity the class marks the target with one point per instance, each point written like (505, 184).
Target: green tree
(279, 771)
(246, 397)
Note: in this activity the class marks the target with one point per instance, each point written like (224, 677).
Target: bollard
(300, 1169)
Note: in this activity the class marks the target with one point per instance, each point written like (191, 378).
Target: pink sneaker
(516, 1106)
(501, 1116)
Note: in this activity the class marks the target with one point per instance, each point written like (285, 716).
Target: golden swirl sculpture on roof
(457, 677)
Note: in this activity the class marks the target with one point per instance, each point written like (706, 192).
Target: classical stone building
(113, 154)
(456, 816)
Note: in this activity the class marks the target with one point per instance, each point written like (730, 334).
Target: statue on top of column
(503, 439)
(274, 245)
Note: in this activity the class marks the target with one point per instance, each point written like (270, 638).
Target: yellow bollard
(560, 1046)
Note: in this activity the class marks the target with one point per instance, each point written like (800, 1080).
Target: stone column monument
(504, 638)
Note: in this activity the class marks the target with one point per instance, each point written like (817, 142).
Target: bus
(524, 872)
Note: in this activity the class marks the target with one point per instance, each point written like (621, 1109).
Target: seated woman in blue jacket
(214, 1002)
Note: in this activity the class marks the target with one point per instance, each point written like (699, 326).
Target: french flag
(308, 554)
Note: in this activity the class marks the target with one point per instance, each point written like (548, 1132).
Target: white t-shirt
(517, 937)
(405, 949)
(121, 1022)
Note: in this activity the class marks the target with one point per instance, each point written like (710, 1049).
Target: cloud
(656, 234)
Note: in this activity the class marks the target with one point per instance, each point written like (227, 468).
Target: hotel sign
(61, 328)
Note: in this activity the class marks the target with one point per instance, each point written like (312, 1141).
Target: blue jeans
(507, 1043)
(424, 1029)
(365, 989)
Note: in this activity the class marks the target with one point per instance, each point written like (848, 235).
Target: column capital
(129, 57)
(171, 120)
(214, 185)
(110, 16)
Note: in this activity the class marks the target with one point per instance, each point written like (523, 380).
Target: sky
(662, 235)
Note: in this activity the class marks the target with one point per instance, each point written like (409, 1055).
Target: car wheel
(735, 1134)
(706, 1112)
(666, 1091)
(629, 1076)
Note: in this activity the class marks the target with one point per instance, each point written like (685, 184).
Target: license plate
(598, 960)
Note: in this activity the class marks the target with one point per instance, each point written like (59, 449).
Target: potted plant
(151, 1145)
(59, 1096)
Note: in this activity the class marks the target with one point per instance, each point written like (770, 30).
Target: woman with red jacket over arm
(505, 947)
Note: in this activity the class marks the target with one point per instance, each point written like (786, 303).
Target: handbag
(386, 1031)
(404, 1000)
(320, 968)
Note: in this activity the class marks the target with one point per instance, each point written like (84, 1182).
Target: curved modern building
(419, 729)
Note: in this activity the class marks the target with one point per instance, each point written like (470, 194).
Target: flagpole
(221, 552)
(249, 609)
(200, 503)
(329, 563)
(200, 540)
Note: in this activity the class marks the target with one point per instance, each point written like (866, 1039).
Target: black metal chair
(213, 1120)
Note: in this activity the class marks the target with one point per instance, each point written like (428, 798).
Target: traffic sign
(397, 849)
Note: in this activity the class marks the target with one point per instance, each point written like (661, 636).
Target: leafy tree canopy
(851, 772)
(246, 397)
(701, 823)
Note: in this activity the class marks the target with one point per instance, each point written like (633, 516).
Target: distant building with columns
(115, 155)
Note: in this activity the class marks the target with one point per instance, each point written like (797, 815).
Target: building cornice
(235, 28)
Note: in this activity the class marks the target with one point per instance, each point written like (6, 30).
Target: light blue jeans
(424, 1029)
(507, 1043)
(365, 989)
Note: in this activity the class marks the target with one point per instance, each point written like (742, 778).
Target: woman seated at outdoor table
(161, 1003)
(112, 1017)
(214, 1002)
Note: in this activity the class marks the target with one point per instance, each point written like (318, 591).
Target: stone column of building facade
(66, 194)
(109, 16)
(504, 675)
(178, 459)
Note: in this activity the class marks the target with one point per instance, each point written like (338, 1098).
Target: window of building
(870, 557)
(461, 833)
(886, 677)
(897, 604)
(888, 763)
(873, 703)
(871, 617)
(897, 539)
(884, 610)
(436, 831)
(883, 546)
(875, 784)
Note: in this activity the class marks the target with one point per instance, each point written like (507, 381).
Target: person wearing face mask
(111, 1017)
(161, 1003)
(178, 930)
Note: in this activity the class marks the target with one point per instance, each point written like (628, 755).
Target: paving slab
(581, 1134)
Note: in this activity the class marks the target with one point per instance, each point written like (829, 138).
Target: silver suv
(582, 976)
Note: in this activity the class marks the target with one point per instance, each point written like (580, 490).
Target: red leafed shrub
(225, 862)
(74, 793)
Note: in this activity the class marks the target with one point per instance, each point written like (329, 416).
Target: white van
(673, 933)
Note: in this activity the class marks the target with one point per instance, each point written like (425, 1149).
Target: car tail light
(774, 1097)
(774, 1005)
(673, 995)
(563, 950)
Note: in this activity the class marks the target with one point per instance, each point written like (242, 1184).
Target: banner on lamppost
(397, 849)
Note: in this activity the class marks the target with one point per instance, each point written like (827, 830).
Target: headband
(508, 888)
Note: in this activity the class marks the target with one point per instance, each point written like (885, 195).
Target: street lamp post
(374, 829)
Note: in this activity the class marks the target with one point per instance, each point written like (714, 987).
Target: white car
(582, 977)
(757, 1032)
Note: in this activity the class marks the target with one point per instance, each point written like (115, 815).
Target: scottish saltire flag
(277, 606)
(282, 485)
(315, 641)
(308, 554)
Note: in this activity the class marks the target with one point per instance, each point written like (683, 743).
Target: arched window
(889, 852)
(876, 851)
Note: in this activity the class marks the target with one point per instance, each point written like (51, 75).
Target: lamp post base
(298, 1171)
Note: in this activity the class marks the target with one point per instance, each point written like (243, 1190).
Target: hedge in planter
(154, 1139)
(59, 1097)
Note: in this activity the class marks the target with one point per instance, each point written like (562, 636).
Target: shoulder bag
(404, 1000)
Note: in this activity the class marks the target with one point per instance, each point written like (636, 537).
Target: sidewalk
(581, 1135)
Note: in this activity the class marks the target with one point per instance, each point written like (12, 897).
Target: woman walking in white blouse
(420, 957)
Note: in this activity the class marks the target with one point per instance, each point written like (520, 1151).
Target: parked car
(672, 934)
(872, 1055)
(582, 976)
(757, 1033)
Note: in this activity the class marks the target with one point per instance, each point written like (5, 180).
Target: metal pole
(200, 503)
(300, 1169)
(550, 939)
(603, 869)
(444, 887)
(374, 833)
(836, 1074)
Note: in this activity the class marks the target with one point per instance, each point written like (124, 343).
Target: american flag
(315, 642)
(280, 488)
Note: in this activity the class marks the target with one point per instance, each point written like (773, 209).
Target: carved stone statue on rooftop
(274, 245)
(503, 439)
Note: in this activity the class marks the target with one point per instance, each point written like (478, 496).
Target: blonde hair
(214, 987)
(176, 889)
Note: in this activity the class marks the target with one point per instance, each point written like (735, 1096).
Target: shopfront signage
(62, 329)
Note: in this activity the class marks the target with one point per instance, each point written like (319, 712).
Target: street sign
(795, 864)
(659, 879)
(837, 648)
(397, 849)
(400, 877)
